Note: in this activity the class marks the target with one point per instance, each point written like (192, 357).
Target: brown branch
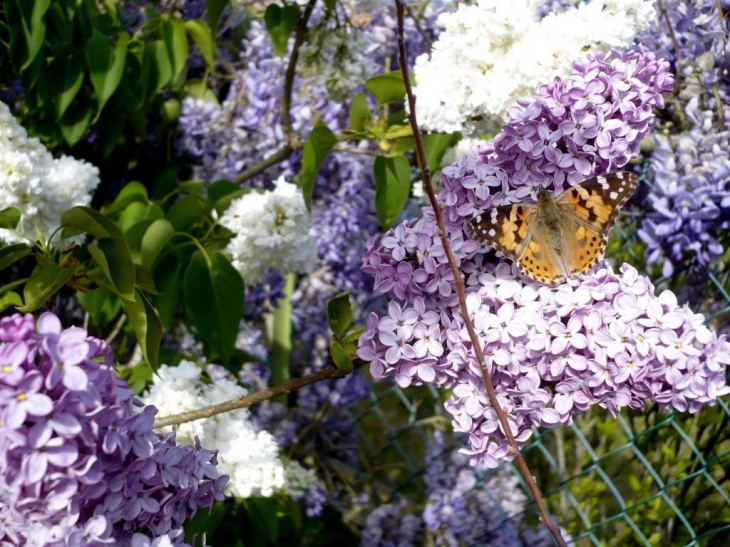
(501, 416)
(293, 140)
(241, 401)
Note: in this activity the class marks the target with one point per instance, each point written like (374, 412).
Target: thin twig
(501, 416)
(293, 139)
(243, 402)
(117, 327)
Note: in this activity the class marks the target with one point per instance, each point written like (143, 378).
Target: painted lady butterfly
(557, 237)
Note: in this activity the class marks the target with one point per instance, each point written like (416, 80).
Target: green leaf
(131, 193)
(339, 313)
(392, 187)
(102, 305)
(10, 298)
(9, 218)
(143, 279)
(342, 358)
(220, 189)
(359, 112)
(320, 142)
(135, 213)
(112, 255)
(79, 220)
(214, 300)
(281, 22)
(203, 37)
(13, 253)
(34, 27)
(73, 69)
(185, 212)
(155, 238)
(106, 65)
(263, 516)
(156, 68)
(76, 121)
(147, 327)
(435, 146)
(192, 187)
(387, 88)
(169, 282)
(44, 282)
(215, 10)
(176, 43)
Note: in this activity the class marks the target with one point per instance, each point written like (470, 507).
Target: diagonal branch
(501, 416)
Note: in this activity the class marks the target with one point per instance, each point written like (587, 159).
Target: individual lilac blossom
(546, 349)
(79, 463)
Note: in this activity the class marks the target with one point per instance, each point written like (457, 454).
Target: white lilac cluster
(272, 230)
(338, 59)
(38, 184)
(250, 458)
(492, 53)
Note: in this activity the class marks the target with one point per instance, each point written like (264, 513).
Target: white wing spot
(614, 195)
(492, 233)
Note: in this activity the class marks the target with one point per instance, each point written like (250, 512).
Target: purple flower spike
(602, 339)
(79, 465)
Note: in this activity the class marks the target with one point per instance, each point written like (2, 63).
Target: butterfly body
(561, 237)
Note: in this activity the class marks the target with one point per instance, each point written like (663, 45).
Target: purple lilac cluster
(465, 506)
(688, 204)
(602, 339)
(689, 200)
(79, 462)
(393, 525)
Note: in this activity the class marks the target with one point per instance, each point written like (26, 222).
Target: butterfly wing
(517, 231)
(589, 211)
(507, 228)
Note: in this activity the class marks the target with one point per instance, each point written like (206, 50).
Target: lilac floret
(79, 463)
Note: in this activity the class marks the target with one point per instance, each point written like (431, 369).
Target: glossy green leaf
(106, 64)
(168, 282)
(263, 517)
(320, 142)
(134, 213)
(73, 70)
(155, 238)
(147, 327)
(185, 212)
(44, 282)
(143, 279)
(33, 27)
(435, 146)
(132, 192)
(112, 255)
(176, 43)
(220, 189)
(342, 358)
(76, 122)
(215, 10)
(203, 38)
(339, 313)
(9, 299)
(102, 305)
(359, 113)
(156, 68)
(281, 22)
(214, 300)
(12, 253)
(192, 187)
(9, 218)
(392, 187)
(79, 220)
(387, 88)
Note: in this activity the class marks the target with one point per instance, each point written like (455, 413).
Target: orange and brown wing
(507, 228)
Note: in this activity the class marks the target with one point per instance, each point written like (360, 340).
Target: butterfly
(561, 237)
